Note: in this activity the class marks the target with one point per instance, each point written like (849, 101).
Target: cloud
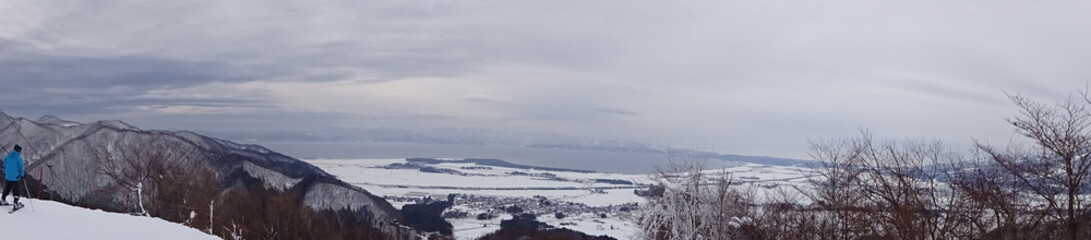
(485, 98)
(746, 77)
(191, 109)
(616, 111)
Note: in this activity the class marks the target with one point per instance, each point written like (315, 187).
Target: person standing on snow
(13, 173)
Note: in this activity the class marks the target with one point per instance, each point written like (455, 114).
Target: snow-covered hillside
(72, 161)
(53, 220)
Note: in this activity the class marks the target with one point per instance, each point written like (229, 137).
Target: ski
(15, 208)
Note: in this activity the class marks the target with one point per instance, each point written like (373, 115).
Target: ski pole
(27, 191)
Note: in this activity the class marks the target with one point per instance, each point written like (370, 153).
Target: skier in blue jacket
(13, 173)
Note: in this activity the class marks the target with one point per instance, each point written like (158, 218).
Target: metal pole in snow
(39, 183)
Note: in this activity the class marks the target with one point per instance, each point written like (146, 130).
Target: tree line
(867, 188)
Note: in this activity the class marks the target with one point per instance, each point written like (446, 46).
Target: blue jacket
(13, 167)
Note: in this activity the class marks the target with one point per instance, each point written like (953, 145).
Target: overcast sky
(744, 77)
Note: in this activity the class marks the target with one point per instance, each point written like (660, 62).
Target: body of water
(620, 162)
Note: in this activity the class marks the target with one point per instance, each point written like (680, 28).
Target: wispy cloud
(485, 98)
(616, 111)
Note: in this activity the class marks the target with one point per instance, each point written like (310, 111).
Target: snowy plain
(496, 181)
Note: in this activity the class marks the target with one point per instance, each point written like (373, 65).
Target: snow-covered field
(53, 220)
(496, 181)
(582, 197)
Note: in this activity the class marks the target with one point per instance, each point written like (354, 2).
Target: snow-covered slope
(53, 220)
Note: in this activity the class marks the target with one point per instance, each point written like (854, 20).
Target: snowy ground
(53, 220)
(578, 195)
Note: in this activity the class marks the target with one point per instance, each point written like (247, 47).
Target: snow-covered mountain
(68, 157)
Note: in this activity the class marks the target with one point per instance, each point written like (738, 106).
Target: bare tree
(889, 189)
(837, 189)
(1056, 168)
(998, 210)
